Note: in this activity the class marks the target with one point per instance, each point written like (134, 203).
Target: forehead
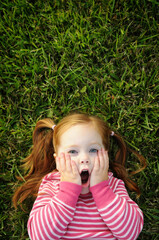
(80, 134)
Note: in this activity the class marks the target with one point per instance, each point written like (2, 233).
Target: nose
(84, 159)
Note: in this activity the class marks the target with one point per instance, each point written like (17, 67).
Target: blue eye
(93, 150)
(72, 152)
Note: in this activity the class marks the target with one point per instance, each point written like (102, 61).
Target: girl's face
(82, 142)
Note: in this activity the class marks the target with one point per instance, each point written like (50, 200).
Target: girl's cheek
(94, 155)
(93, 159)
(73, 158)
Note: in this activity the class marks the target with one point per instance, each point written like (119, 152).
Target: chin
(85, 190)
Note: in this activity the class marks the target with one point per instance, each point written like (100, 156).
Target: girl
(78, 197)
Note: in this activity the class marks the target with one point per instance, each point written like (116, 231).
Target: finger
(68, 162)
(104, 153)
(62, 162)
(101, 158)
(96, 162)
(106, 159)
(57, 163)
(74, 167)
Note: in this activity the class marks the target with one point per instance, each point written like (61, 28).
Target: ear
(54, 155)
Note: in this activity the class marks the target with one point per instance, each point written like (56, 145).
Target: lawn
(99, 57)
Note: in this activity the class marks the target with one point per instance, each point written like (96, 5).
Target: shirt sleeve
(53, 210)
(121, 214)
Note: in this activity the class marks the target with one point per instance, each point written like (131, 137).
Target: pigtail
(40, 162)
(118, 165)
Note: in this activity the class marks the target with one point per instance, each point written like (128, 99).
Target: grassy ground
(99, 57)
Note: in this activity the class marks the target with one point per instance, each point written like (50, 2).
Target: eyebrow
(71, 146)
(93, 143)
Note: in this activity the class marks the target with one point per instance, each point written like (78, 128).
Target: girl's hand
(68, 169)
(100, 169)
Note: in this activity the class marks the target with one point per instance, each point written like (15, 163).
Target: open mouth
(84, 176)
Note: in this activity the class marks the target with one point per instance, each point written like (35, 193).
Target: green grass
(99, 57)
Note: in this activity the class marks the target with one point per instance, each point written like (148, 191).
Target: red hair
(45, 142)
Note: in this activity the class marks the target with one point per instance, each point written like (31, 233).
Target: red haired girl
(78, 197)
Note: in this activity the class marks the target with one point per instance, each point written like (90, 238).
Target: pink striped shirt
(106, 212)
